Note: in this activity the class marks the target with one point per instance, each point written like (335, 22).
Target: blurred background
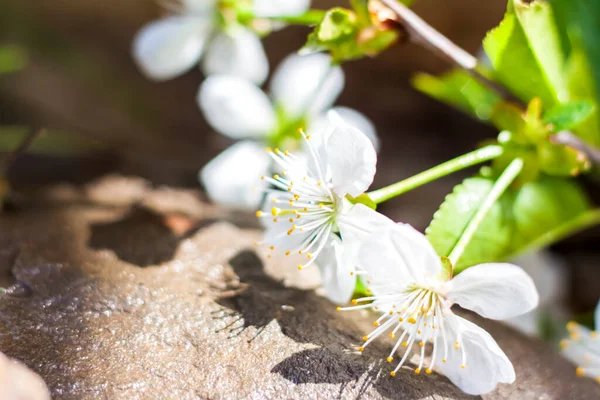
(79, 82)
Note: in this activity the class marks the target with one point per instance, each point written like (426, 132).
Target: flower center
(304, 206)
(418, 315)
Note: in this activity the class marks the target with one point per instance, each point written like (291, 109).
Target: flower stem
(311, 17)
(500, 186)
(578, 224)
(466, 160)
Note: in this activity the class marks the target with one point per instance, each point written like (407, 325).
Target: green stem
(500, 186)
(361, 7)
(311, 17)
(582, 222)
(466, 160)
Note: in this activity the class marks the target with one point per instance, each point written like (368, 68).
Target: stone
(114, 302)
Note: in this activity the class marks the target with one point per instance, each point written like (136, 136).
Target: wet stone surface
(121, 302)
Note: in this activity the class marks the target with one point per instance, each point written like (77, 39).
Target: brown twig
(420, 32)
(22, 148)
(569, 139)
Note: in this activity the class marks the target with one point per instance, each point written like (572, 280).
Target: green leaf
(459, 89)
(493, 238)
(546, 204)
(568, 115)
(526, 53)
(52, 143)
(12, 58)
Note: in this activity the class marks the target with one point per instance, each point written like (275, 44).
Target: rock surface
(140, 302)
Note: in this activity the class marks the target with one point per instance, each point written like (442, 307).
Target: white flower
(583, 348)
(171, 46)
(414, 292)
(303, 89)
(311, 215)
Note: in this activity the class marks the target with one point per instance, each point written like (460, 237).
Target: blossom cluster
(307, 165)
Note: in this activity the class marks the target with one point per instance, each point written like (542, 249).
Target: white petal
(486, 364)
(235, 107)
(398, 256)
(199, 7)
(597, 317)
(495, 290)
(306, 86)
(232, 178)
(338, 284)
(351, 117)
(277, 8)
(240, 53)
(548, 272)
(170, 46)
(352, 159)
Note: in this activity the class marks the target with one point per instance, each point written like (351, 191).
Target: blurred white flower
(311, 214)
(303, 88)
(171, 46)
(415, 291)
(583, 347)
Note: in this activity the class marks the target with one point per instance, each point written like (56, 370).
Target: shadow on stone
(140, 238)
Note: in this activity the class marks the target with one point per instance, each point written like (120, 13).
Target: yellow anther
(351, 273)
(268, 150)
(418, 332)
(361, 349)
(593, 334)
(375, 323)
(389, 359)
(291, 230)
(305, 209)
(287, 253)
(392, 335)
(275, 219)
(421, 344)
(268, 256)
(444, 360)
(319, 183)
(574, 336)
(309, 256)
(428, 371)
(283, 173)
(354, 301)
(287, 153)
(365, 338)
(393, 373)
(291, 220)
(307, 137)
(463, 366)
(256, 243)
(291, 183)
(579, 371)
(412, 320)
(262, 177)
(259, 213)
(289, 189)
(300, 266)
(400, 319)
(564, 343)
(368, 291)
(275, 176)
(598, 379)
(300, 252)
(274, 200)
(418, 371)
(405, 344)
(296, 197)
(457, 345)
(338, 308)
(376, 308)
(272, 247)
(276, 150)
(275, 211)
(391, 313)
(571, 325)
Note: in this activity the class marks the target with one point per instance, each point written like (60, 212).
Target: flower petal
(235, 107)
(306, 86)
(486, 364)
(238, 52)
(338, 284)
(397, 256)
(199, 7)
(495, 290)
(232, 178)
(351, 117)
(278, 8)
(171, 46)
(351, 158)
